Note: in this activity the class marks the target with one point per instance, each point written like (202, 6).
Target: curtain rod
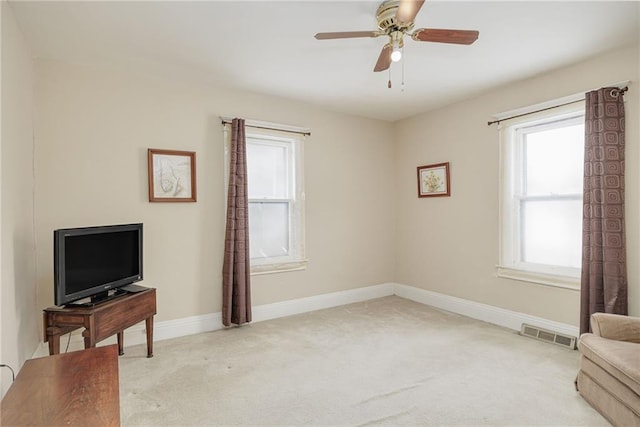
(305, 133)
(620, 91)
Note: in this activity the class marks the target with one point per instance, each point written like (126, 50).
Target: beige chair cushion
(620, 359)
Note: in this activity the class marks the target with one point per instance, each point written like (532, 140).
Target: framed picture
(172, 175)
(433, 180)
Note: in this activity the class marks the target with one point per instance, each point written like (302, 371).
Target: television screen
(90, 261)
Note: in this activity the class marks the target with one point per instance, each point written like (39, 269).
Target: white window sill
(257, 270)
(565, 282)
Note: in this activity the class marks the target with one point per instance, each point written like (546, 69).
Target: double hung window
(542, 159)
(276, 200)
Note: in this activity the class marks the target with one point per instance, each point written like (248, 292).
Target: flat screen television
(93, 262)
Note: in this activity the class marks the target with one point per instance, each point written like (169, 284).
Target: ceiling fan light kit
(396, 54)
(396, 19)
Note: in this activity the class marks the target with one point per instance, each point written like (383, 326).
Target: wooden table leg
(54, 344)
(120, 343)
(52, 336)
(89, 332)
(149, 327)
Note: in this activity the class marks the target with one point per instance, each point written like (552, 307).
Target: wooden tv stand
(102, 320)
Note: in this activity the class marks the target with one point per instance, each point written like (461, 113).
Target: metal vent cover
(548, 336)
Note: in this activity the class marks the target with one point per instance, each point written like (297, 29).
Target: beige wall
(450, 244)
(93, 129)
(365, 225)
(20, 312)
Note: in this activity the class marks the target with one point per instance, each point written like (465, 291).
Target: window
(276, 200)
(541, 197)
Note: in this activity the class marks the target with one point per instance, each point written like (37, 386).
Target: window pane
(267, 171)
(268, 229)
(552, 232)
(554, 160)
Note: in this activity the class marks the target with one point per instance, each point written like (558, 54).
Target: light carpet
(388, 361)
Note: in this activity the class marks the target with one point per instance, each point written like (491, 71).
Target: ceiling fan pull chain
(389, 83)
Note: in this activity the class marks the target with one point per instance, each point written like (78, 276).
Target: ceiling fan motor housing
(386, 17)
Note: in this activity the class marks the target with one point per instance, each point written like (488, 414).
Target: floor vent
(548, 336)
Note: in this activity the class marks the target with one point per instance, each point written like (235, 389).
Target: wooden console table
(78, 388)
(102, 320)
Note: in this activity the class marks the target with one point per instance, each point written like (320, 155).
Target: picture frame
(434, 180)
(172, 175)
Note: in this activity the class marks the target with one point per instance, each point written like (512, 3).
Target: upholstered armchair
(609, 376)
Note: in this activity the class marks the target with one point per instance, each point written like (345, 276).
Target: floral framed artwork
(172, 175)
(433, 180)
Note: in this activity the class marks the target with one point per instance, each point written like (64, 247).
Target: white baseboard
(319, 302)
(487, 313)
(167, 329)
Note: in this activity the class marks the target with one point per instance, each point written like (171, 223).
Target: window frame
(294, 143)
(511, 198)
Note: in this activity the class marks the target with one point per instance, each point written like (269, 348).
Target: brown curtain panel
(604, 269)
(236, 272)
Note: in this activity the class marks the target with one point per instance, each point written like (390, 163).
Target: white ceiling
(268, 46)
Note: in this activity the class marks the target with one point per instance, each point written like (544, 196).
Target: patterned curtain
(236, 272)
(604, 269)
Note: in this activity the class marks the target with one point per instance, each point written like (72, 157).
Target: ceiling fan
(395, 20)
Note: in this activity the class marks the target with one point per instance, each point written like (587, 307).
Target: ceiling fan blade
(384, 60)
(346, 35)
(408, 9)
(445, 36)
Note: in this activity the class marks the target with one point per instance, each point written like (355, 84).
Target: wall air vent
(548, 336)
